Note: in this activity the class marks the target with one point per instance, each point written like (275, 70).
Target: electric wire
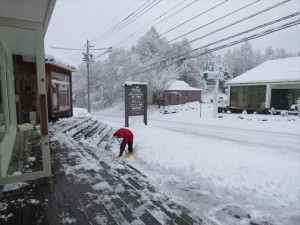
(143, 28)
(227, 26)
(239, 21)
(231, 23)
(250, 37)
(127, 17)
(122, 26)
(230, 37)
(208, 11)
(194, 17)
(247, 31)
(222, 17)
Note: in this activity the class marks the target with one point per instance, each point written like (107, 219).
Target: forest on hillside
(155, 61)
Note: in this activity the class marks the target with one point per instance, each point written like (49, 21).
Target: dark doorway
(284, 98)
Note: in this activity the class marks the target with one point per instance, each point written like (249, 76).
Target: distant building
(180, 93)
(273, 84)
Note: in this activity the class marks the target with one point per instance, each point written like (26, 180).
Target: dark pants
(130, 143)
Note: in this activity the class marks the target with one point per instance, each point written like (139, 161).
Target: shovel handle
(120, 143)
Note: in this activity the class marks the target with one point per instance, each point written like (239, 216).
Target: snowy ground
(245, 165)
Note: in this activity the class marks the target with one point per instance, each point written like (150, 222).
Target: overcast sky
(119, 23)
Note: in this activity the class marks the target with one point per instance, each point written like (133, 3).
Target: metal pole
(200, 103)
(216, 99)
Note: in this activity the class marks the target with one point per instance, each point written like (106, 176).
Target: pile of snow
(53, 57)
(80, 112)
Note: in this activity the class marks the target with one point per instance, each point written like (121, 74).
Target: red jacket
(126, 134)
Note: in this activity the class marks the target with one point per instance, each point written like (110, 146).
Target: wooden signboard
(135, 101)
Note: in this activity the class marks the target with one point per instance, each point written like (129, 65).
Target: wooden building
(273, 84)
(59, 84)
(180, 93)
(23, 88)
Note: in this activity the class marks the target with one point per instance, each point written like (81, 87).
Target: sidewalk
(89, 185)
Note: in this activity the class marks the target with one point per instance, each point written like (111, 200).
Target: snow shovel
(120, 144)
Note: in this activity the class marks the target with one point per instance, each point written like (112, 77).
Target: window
(248, 97)
(60, 89)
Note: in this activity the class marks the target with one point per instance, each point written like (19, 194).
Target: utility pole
(88, 58)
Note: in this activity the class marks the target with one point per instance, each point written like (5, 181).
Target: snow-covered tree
(258, 59)
(246, 57)
(160, 80)
(189, 72)
(269, 53)
(149, 45)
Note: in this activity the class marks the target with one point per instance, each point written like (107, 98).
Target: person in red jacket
(127, 136)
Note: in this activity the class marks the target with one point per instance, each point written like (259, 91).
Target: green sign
(213, 75)
(210, 82)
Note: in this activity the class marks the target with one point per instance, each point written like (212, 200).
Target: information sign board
(135, 101)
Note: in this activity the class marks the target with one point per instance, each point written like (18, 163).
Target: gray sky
(75, 21)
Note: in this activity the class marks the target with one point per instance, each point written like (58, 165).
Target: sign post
(216, 76)
(135, 100)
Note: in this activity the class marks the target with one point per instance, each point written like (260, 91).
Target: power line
(77, 54)
(122, 26)
(239, 21)
(142, 28)
(250, 30)
(250, 37)
(244, 19)
(130, 36)
(230, 37)
(216, 20)
(194, 17)
(254, 36)
(119, 22)
(202, 14)
(229, 25)
(62, 48)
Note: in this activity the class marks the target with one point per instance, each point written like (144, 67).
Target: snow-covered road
(276, 140)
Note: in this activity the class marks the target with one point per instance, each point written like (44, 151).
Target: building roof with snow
(180, 85)
(52, 57)
(274, 71)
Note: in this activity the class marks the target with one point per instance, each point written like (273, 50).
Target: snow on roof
(273, 71)
(135, 83)
(180, 85)
(57, 59)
